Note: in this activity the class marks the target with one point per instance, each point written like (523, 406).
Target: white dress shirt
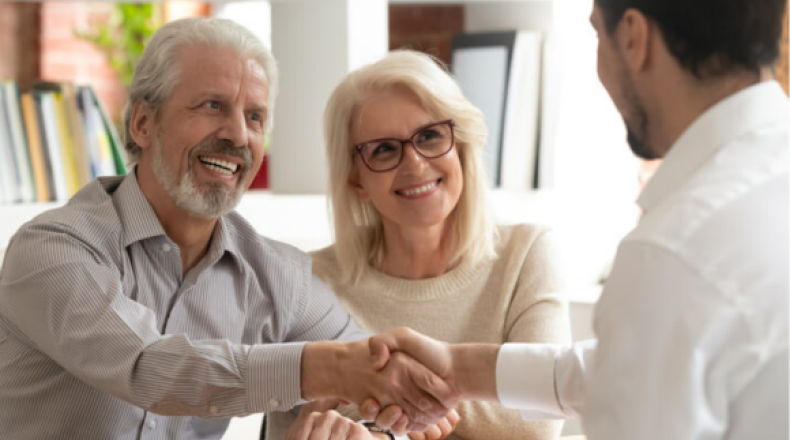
(692, 325)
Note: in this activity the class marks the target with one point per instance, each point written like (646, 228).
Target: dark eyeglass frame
(449, 122)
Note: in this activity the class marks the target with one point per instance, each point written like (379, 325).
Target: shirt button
(152, 424)
(166, 247)
(274, 402)
(213, 410)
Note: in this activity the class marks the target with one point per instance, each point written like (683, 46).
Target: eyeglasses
(430, 142)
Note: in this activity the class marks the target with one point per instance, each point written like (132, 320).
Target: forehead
(222, 71)
(390, 113)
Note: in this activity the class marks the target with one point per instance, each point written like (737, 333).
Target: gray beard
(210, 202)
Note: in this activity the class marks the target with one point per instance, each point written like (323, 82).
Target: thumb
(380, 348)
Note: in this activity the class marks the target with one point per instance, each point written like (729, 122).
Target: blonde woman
(415, 241)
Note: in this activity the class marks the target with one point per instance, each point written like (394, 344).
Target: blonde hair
(158, 71)
(358, 229)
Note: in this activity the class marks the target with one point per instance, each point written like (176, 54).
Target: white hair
(359, 232)
(157, 71)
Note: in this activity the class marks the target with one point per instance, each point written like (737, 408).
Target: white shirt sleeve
(554, 384)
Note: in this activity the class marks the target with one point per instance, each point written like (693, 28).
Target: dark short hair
(710, 37)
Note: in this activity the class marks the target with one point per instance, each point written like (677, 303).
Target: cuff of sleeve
(274, 376)
(525, 379)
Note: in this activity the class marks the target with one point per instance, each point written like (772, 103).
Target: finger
(380, 347)
(416, 427)
(399, 427)
(322, 428)
(417, 436)
(358, 432)
(369, 409)
(388, 417)
(436, 387)
(445, 428)
(302, 429)
(453, 417)
(433, 433)
(431, 410)
(340, 429)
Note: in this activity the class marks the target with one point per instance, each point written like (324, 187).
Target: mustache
(223, 147)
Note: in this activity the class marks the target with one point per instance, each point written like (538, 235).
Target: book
(66, 146)
(111, 135)
(8, 174)
(78, 141)
(45, 148)
(35, 148)
(54, 148)
(19, 141)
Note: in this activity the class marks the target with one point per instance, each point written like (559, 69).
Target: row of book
(54, 139)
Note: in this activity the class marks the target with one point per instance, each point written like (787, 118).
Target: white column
(316, 43)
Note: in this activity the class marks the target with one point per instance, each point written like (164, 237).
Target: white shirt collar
(759, 105)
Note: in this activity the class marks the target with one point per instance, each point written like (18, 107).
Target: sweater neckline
(452, 282)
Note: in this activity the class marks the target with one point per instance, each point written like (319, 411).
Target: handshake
(403, 380)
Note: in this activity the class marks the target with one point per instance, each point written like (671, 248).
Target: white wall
(508, 15)
(316, 43)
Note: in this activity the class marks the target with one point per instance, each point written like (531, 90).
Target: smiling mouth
(218, 165)
(419, 190)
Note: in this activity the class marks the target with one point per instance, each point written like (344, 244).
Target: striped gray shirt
(101, 337)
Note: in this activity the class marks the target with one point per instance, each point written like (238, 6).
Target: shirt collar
(138, 219)
(140, 222)
(759, 105)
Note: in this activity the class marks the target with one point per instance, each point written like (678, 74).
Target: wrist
(474, 370)
(320, 372)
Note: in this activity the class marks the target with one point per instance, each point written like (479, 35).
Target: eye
(384, 147)
(256, 117)
(213, 105)
(428, 135)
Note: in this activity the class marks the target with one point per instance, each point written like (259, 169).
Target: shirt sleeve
(671, 349)
(65, 298)
(544, 381)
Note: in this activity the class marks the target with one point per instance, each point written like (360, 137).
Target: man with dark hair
(692, 325)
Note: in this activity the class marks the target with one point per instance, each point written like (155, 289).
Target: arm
(65, 298)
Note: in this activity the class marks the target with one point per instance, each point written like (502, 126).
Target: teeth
(218, 163)
(220, 170)
(418, 190)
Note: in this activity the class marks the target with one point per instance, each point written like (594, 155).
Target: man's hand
(312, 424)
(345, 370)
(469, 369)
(392, 418)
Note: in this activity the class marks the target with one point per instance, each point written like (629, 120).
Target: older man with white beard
(145, 308)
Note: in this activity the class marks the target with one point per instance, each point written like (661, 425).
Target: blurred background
(556, 155)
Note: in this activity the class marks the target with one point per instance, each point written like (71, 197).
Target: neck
(416, 252)
(678, 109)
(189, 232)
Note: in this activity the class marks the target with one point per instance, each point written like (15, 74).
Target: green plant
(124, 36)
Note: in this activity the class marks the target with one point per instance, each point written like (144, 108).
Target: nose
(412, 160)
(234, 128)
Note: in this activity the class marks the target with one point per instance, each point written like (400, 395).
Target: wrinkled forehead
(222, 71)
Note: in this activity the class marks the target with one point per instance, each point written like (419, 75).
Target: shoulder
(253, 247)
(522, 239)
(89, 221)
(326, 265)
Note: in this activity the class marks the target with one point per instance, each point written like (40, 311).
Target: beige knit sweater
(514, 298)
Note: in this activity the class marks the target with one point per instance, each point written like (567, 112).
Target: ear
(633, 38)
(356, 186)
(141, 125)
